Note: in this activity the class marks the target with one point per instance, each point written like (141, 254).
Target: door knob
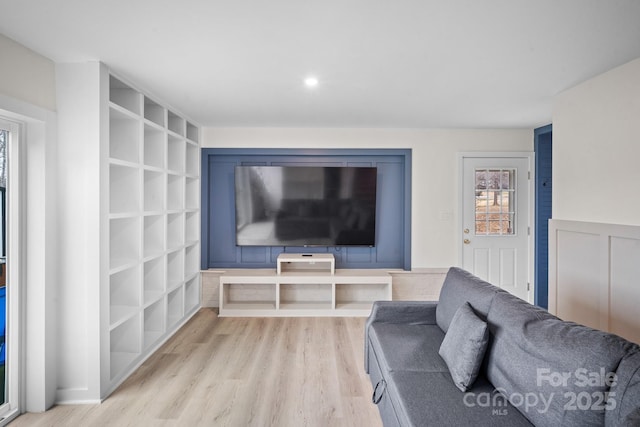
(467, 241)
(466, 231)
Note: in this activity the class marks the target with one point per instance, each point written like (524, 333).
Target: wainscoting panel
(579, 273)
(625, 286)
(594, 275)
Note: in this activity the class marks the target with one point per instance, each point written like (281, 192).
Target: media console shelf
(263, 292)
(306, 262)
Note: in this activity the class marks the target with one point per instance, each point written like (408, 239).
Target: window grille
(495, 202)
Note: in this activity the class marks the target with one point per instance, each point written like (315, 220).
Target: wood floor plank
(240, 372)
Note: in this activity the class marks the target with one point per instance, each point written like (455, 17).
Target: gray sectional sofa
(496, 361)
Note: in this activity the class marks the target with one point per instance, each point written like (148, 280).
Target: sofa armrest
(409, 312)
(412, 312)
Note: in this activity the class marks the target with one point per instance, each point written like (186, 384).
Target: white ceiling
(380, 63)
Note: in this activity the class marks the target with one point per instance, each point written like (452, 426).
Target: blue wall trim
(543, 187)
(393, 249)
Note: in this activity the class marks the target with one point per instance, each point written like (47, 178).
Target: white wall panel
(625, 287)
(578, 271)
(594, 275)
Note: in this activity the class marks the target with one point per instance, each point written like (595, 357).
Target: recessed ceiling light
(311, 82)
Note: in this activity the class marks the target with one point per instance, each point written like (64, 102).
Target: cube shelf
(124, 133)
(124, 189)
(153, 235)
(175, 192)
(192, 132)
(192, 227)
(316, 296)
(176, 124)
(124, 297)
(125, 345)
(192, 193)
(154, 279)
(154, 191)
(175, 231)
(192, 260)
(244, 296)
(192, 294)
(154, 112)
(124, 95)
(154, 147)
(175, 154)
(193, 159)
(175, 307)
(154, 323)
(124, 239)
(175, 269)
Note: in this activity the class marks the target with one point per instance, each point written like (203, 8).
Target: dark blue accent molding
(542, 138)
(393, 223)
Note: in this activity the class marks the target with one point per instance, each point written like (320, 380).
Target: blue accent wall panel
(390, 228)
(393, 227)
(221, 219)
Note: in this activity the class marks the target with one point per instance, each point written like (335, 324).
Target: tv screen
(305, 206)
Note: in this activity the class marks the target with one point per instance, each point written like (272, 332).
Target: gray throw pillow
(464, 345)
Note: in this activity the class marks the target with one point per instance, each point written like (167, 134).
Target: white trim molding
(38, 332)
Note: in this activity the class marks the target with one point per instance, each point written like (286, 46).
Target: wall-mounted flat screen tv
(305, 206)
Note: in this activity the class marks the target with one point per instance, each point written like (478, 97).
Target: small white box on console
(315, 263)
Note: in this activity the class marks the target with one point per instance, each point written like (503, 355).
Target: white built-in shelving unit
(147, 282)
(302, 285)
(154, 184)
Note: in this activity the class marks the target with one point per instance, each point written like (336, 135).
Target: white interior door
(496, 220)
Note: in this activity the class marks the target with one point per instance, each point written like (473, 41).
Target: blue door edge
(541, 249)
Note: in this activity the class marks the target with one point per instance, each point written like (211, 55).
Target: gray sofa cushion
(625, 393)
(431, 399)
(530, 352)
(632, 419)
(407, 347)
(459, 287)
(464, 346)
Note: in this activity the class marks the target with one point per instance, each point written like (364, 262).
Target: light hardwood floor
(240, 372)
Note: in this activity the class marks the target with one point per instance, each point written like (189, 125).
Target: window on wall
(495, 202)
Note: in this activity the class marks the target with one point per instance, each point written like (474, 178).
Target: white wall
(435, 219)
(26, 76)
(596, 147)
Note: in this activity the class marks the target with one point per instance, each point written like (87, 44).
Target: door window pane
(495, 202)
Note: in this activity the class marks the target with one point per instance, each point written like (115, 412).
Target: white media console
(302, 285)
